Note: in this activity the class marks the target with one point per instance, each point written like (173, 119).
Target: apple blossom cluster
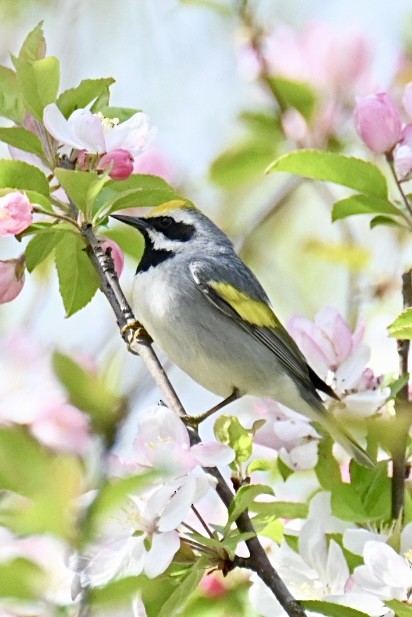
(143, 536)
(46, 412)
(382, 127)
(102, 143)
(338, 356)
(333, 63)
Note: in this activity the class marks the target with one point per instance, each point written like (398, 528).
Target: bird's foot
(134, 332)
(194, 421)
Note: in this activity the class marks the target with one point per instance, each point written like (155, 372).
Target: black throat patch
(152, 257)
(171, 230)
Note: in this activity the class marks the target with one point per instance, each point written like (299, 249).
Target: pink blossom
(407, 99)
(213, 585)
(378, 122)
(116, 254)
(30, 395)
(96, 134)
(11, 279)
(15, 213)
(332, 350)
(163, 442)
(154, 163)
(119, 162)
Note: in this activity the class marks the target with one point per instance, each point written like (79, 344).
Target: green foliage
(400, 609)
(230, 432)
(179, 597)
(333, 167)
(20, 579)
(243, 498)
(34, 45)
(90, 393)
(329, 609)
(81, 186)
(297, 94)
(327, 467)
(139, 190)
(86, 92)
(48, 482)
(120, 113)
(401, 328)
(11, 100)
(241, 163)
(126, 237)
(21, 175)
(43, 244)
(21, 138)
(78, 280)
(367, 498)
(280, 509)
(362, 204)
(39, 82)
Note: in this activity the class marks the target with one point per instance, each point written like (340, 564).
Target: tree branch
(141, 345)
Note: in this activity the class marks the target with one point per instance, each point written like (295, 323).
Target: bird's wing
(253, 314)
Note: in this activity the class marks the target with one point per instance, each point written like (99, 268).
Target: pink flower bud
(378, 122)
(11, 279)
(115, 253)
(120, 163)
(15, 213)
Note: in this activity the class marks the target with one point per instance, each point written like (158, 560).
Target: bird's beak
(140, 223)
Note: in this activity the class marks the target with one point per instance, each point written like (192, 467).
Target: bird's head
(173, 228)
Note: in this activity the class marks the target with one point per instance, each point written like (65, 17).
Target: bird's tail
(347, 442)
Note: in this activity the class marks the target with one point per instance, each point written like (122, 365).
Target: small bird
(208, 312)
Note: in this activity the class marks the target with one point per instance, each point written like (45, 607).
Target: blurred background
(190, 67)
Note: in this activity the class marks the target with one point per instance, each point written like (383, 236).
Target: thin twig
(201, 521)
(403, 413)
(125, 318)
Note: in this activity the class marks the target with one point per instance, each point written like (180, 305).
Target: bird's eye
(165, 223)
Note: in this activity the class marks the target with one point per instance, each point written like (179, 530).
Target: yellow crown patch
(168, 206)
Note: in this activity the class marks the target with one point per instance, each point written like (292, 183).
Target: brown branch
(142, 345)
(403, 413)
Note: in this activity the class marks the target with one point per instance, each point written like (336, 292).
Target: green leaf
(245, 496)
(81, 186)
(386, 220)
(400, 609)
(21, 175)
(86, 92)
(362, 204)
(280, 509)
(353, 256)
(21, 579)
(327, 468)
(333, 167)
(292, 93)
(229, 431)
(34, 45)
(115, 592)
(78, 280)
(120, 113)
(49, 482)
(11, 99)
(181, 594)
(129, 241)
(347, 504)
(89, 393)
(21, 138)
(42, 245)
(39, 82)
(241, 164)
(330, 609)
(401, 328)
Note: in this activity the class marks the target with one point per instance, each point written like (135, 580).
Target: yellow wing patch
(174, 204)
(255, 312)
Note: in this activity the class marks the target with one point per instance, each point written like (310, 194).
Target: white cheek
(161, 243)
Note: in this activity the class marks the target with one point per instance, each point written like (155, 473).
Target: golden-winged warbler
(207, 311)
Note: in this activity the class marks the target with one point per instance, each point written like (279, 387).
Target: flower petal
(164, 548)
(86, 129)
(386, 565)
(133, 135)
(212, 454)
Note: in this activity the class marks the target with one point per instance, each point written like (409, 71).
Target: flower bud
(120, 163)
(378, 122)
(11, 279)
(15, 213)
(115, 253)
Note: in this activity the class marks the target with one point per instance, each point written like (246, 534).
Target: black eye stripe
(171, 229)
